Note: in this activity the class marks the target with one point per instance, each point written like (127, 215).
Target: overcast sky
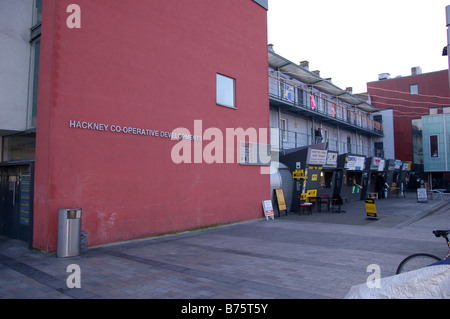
(352, 41)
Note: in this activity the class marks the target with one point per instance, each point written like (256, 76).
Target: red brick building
(410, 97)
(116, 78)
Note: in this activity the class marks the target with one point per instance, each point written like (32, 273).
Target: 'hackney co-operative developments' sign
(250, 153)
(131, 130)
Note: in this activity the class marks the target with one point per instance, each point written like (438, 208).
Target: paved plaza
(319, 256)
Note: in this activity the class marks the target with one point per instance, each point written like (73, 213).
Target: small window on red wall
(414, 89)
(225, 91)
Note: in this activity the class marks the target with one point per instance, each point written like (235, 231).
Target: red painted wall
(395, 93)
(145, 64)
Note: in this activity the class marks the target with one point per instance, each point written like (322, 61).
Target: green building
(436, 149)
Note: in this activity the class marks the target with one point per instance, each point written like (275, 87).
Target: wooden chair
(311, 197)
(325, 200)
(304, 205)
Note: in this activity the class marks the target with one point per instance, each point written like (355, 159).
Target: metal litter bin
(69, 232)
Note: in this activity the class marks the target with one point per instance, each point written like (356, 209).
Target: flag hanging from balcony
(313, 101)
(333, 111)
(289, 93)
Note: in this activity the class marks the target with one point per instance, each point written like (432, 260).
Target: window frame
(436, 147)
(222, 88)
(33, 82)
(416, 87)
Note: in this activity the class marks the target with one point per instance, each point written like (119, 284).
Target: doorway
(16, 201)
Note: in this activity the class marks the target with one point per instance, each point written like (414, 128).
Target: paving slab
(318, 256)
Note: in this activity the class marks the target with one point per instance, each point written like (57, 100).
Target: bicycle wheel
(416, 261)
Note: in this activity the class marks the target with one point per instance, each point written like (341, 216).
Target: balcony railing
(323, 105)
(284, 140)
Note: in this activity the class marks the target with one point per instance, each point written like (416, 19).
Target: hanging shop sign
(375, 163)
(406, 166)
(299, 174)
(381, 165)
(355, 163)
(316, 157)
(332, 159)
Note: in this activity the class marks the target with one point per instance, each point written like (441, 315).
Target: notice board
(422, 196)
(371, 209)
(279, 194)
(268, 209)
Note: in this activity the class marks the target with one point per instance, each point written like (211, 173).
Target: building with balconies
(301, 102)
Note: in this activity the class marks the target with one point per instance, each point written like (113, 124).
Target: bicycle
(420, 260)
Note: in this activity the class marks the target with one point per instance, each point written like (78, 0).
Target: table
(322, 199)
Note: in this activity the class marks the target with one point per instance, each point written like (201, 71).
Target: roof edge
(263, 3)
(342, 95)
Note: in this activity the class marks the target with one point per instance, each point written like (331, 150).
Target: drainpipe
(445, 140)
(280, 134)
(338, 140)
(447, 13)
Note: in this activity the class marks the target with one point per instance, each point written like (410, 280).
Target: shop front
(392, 176)
(306, 166)
(349, 176)
(405, 175)
(373, 178)
(328, 175)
